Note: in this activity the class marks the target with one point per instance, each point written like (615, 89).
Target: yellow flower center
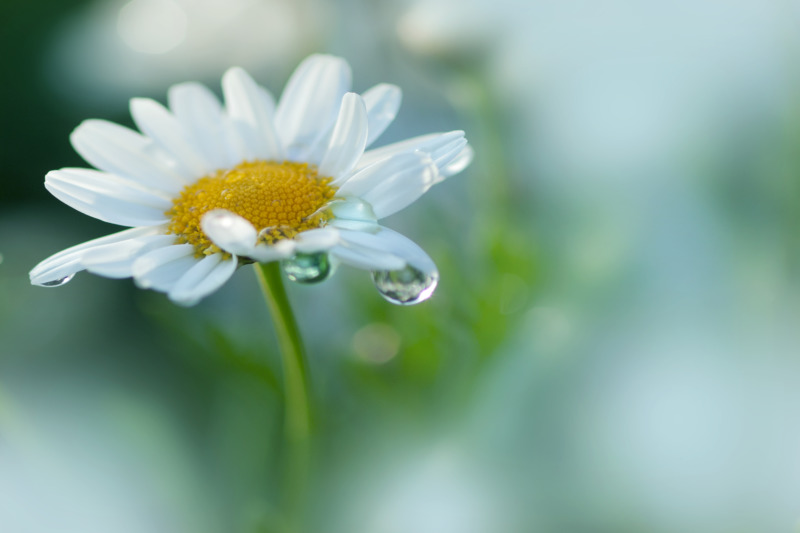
(279, 199)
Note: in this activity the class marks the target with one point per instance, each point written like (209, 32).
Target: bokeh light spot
(376, 343)
(152, 26)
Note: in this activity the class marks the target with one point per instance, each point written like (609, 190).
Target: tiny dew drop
(407, 286)
(58, 282)
(308, 268)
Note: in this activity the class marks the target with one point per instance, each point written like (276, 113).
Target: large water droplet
(352, 213)
(406, 286)
(58, 282)
(308, 268)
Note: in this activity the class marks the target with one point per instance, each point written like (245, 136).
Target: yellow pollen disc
(279, 199)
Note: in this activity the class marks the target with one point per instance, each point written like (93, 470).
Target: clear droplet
(308, 268)
(352, 209)
(352, 213)
(58, 282)
(407, 286)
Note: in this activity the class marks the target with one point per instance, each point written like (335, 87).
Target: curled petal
(232, 233)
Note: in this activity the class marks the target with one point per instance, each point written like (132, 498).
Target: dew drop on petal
(352, 209)
(407, 286)
(58, 282)
(308, 268)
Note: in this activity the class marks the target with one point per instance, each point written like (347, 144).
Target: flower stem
(297, 421)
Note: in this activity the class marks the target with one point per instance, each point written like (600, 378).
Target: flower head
(205, 188)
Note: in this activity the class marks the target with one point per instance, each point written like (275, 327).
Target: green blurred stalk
(297, 402)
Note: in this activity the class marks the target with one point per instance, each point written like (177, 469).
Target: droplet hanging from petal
(58, 282)
(407, 286)
(308, 268)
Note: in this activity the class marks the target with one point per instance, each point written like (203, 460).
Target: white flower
(205, 188)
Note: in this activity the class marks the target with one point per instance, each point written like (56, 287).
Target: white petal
(202, 279)
(68, 262)
(383, 250)
(383, 102)
(354, 225)
(393, 183)
(161, 269)
(364, 251)
(348, 140)
(229, 231)
(124, 152)
(251, 113)
(107, 197)
(365, 260)
(310, 102)
(316, 152)
(317, 240)
(155, 121)
(264, 253)
(457, 163)
(445, 158)
(432, 143)
(116, 260)
(352, 209)
(401, 246)
(201, 115)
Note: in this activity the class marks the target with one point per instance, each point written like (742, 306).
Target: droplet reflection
(308, 268)
(58, 282)
(152, 26)
(407, 286)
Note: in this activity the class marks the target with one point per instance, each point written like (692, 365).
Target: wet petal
(401, 246)
(365, 259)
(381, 249)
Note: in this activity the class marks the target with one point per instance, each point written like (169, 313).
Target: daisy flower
(205, 187)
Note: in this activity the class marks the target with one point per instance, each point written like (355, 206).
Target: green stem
(297, 422)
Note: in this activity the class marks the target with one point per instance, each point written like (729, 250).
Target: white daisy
(205, 188)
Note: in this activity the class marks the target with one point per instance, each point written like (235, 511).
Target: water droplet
(308, 268)
(352, 213)
(352, 209)
(407, 286)
(58, 282)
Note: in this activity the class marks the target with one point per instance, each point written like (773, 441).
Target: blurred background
(613, 343)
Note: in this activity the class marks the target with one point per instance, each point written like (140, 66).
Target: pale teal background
(613, 346)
